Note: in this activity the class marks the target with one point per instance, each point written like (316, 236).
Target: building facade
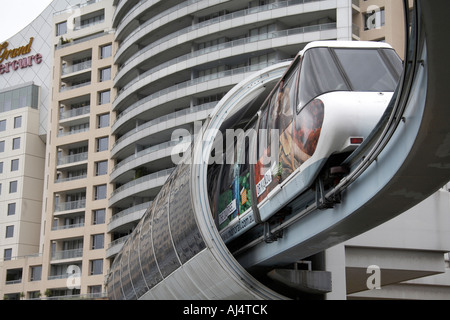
(78, 149)
(113, 79)
(21, 163)
(68, 256)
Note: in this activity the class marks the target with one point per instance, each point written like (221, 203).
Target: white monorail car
(328, 101)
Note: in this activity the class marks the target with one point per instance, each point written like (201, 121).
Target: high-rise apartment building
(113, 80)
(69, 244)
(22, 159)
(76, 195)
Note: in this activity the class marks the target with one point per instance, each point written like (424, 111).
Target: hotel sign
(7, 64)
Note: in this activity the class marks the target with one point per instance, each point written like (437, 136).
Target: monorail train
(325, 105)
(321, 109)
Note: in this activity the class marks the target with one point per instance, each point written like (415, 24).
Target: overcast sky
(17, 14)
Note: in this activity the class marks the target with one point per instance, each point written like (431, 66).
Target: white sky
(17, 14)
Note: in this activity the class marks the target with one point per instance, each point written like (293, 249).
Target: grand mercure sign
(18, 54)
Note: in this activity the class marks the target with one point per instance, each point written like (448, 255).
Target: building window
(13, 187)
(104, 97)
(11, 209)
(2, 125)
(95, 291)
(100, 192)
(15, 165)
(34, 294)
(99, 216)
(102, 144)
(9, 231)
(1, 167)
(101, 168)
(103, 120)
(61, 28)
(105, 74)
(35, 273)
(96, 267)
(98, 241)
(17, 122)
(7, 254)
(16, 143)
(106, 51)
(89, 20)
(2, 146)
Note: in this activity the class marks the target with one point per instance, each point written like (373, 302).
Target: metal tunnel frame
(176, 251)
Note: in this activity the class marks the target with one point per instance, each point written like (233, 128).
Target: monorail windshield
(348, 69)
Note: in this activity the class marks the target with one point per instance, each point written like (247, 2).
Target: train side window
(262, 138)
(213, 183)
(228, 195)
(263, 175)
(285, 116)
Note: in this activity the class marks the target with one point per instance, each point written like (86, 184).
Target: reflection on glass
(308, 126)
(367, 70)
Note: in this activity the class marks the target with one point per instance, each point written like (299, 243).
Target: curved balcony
(148, 185)
(223, 51)
(224, 79)
(161, 124)
(128, 216)
(170, 14)
(160, 151)
(121, 7)
(115, 246)
(277, 10)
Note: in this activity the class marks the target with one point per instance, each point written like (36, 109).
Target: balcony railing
(225, 45)
(118, 241)
(77, 67)
(69, 226)
(72, 205)
(13, 281)
(67, 254)
(75, 113)
(83, 176)
(174, 115)
(67, 88)
(71, 132)
(196, 81)
(72, 8)
(73, 158)
(144, 179)
(139, 207)
(230, 16)
(152, 149)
